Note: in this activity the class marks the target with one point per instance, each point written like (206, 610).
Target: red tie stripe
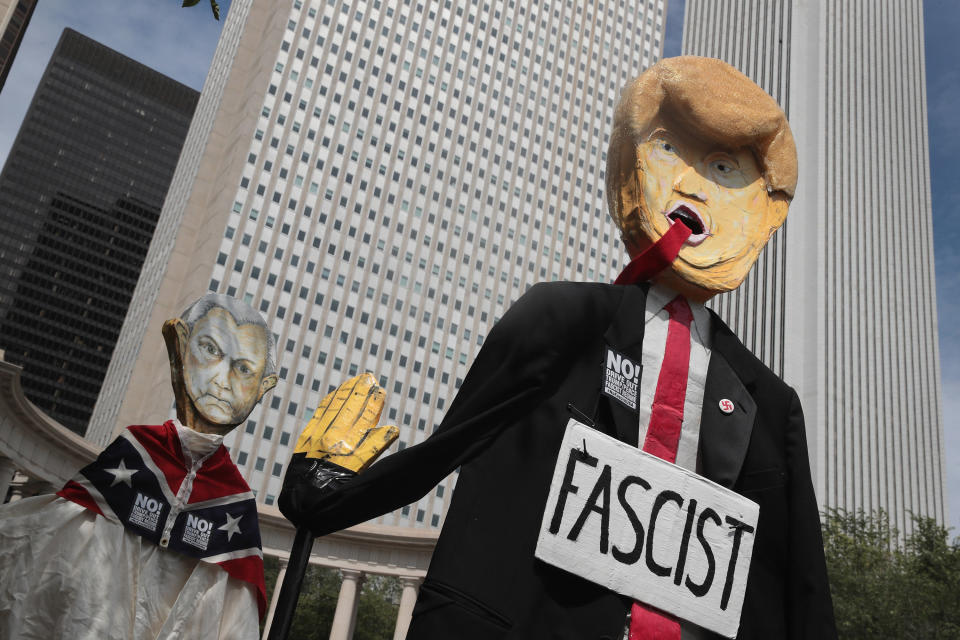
(663, 436)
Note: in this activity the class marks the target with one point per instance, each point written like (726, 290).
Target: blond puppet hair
(708, 98)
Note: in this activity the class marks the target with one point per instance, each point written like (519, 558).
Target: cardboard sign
(648, 529)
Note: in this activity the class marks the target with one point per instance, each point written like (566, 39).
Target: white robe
(67, 573)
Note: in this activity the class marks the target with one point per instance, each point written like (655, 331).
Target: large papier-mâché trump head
(696, 141)
(222, 362)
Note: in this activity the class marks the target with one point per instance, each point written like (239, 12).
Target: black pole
(292, 581)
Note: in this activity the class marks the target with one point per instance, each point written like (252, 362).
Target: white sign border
(584, 557)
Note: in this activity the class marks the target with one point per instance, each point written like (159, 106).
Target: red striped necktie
(663, 435)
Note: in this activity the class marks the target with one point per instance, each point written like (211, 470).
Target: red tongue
(657, 257)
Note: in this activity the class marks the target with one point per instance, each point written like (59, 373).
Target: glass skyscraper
(382, 180)
(843, 302)
(80, 195)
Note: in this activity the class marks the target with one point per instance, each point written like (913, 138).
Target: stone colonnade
(345, 616)
(38, 455)
(7, 469)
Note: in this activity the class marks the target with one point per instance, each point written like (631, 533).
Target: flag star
(122, 474)
(231, 526)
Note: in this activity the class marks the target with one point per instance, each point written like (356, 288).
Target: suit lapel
(625, 336)
(724, 438)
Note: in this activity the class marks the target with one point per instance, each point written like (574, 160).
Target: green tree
(313, 617)
(885, 586)
(377, 606)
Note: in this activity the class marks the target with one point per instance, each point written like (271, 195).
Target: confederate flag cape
(143, 482)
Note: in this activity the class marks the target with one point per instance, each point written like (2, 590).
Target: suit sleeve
(809, 605)
(512, 373)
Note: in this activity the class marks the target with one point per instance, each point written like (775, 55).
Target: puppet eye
(208, 347)
(667, 146)
(724, 166)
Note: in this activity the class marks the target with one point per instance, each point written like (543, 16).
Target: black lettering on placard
(567, 487)
(634, 554)
(600, 490)
(738, 530)
(700, 590)
(659, 501)
(684, 542)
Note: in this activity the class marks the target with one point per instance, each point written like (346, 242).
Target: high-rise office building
(382, 179)
(843, 303)
(14, 17)
(80, 195)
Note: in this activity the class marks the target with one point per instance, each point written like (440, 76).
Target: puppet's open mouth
(692, 219)
(688, 217)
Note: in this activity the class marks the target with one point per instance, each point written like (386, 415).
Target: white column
(407, 599)
(274, 598)
(7, 469)
(346, 613)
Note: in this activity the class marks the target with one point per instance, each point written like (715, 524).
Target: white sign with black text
(648, 529)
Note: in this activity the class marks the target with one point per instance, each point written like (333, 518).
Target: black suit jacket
(504, 430)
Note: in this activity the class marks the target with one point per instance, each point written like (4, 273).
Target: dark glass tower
(80, 195)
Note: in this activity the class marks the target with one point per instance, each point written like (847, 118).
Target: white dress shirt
(656, 323)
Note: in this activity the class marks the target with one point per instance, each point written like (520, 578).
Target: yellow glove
(344, 430)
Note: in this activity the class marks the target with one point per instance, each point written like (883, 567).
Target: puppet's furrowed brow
(207, 337)
(659, 132)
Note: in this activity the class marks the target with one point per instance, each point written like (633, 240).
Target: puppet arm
(342, 439)
(514, 371)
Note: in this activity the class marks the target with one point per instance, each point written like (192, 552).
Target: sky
(180, 42)
(941, 26)
(175, 41)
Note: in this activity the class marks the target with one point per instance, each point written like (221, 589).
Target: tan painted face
(223, 368)
(720, 193)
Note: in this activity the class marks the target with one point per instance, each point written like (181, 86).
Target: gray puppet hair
(241, 312)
